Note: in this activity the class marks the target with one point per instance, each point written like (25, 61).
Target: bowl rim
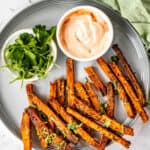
(90, 8)
(10, 40)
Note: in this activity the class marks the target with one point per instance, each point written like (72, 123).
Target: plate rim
(3, 116)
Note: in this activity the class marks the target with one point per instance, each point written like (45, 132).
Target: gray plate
(13, 99)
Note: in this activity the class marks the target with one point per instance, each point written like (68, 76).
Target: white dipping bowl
(89, 9)
(11, 39)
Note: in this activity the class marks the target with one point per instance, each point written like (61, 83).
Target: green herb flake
(74, 126)
(107, 123)
(104, 107)
(45, 132)
(61, 145)
(115, 58)
(115, 82)
(50, 137)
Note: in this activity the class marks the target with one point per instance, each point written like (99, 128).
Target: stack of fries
(74, 108)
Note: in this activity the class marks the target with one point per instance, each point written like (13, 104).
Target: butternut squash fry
(131, 75)
(35, 100)
(122, 94)
(103, 119)
(26, 131)
(130, 92)
(98, 128)
(95, 79)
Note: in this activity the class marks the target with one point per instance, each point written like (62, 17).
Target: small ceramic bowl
(11, 39)
(63, 21)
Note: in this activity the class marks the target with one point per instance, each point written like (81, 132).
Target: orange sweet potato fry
(122, 94)
(70, 80)
(52, 92)
(45, 134)
(26, 131)
(114, 125)
(98, 128)
(129, 90)
(35, 100)
(96, 79)
(109, 111)
(81, 92)
(61, 91)
(93, 97)
(131, 76)
(69, 119)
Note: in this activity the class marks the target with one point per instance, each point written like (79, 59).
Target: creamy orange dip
(84, 33)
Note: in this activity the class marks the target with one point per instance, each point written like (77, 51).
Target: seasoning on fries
(99, 128)
(122, 94)
(70, 80)
(131, 75)
(103, 119)
(129, 90)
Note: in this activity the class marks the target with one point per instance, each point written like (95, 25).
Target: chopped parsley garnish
(107, 123)
(48, 136)
(74, 126)
(31, 54)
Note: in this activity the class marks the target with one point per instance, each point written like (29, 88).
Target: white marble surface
(8, 141)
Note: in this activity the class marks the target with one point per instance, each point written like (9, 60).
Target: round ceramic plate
(13, 98)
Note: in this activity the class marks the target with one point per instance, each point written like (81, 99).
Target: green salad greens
(31, 54)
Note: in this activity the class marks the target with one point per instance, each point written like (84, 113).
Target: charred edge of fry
(131, 75)
(122, 94)
(70, 80)
(81, 92)
(93, 97)
(114, 125)
(69, 119)
(96, 79)
(33, 99)
(130, 92)
(99, 128)
(26, 131)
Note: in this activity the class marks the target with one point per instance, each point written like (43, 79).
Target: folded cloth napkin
(138, 13)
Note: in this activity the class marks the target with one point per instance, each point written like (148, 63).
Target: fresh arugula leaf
(31, 54)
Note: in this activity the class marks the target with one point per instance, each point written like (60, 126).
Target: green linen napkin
(138, 13)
